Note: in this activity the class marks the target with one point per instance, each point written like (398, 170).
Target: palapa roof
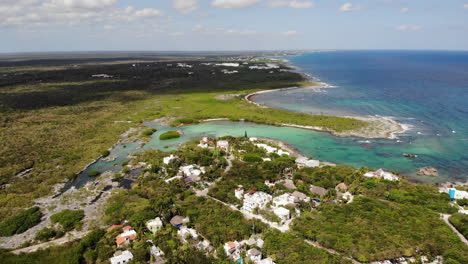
(254, 252)
(342, 186)
(177, 220)
(318, 190)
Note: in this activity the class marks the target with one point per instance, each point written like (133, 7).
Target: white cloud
(348, 7)
(465, 6)
(290, 33)
(148, 12)
(408, 28)
(292, 4)
(234, 3)
(405, 10)
(185, 6)
(240, 32)
(90, 4)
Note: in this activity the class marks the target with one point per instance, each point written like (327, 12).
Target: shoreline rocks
(428, 171)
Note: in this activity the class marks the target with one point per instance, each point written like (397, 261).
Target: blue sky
(75, 25)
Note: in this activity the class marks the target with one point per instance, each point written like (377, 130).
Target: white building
(121, 257)
(192, 170)
(156, 251)
(232, 249)
(382, 174)
(204, 142)
(304, 162)
(239, 192)
(154, 225)
(266, 261)
(457, 194)
(185, 232)
(223, 145)
(167, 160)
(228, 64)
(284, 199)
(270, 149)
(254, 255)
(255, 200)
(282, 213)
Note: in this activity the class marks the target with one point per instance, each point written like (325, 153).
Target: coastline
(379, 127)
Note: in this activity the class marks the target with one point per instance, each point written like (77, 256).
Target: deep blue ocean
(427, 90)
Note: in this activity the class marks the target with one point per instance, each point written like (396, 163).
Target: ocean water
(427, 90)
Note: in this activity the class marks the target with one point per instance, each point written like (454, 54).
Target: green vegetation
(149, 132)
(460, 221)
(105, 153)
(93, 173)
(462, 202)
(47, 233)
(169, 135)
(286, 248)
(68, 219)
(21, 222)
(371, 229)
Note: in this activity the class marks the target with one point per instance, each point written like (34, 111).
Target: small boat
(410, 155)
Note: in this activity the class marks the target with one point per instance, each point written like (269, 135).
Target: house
(282, 200)
(232, 249)
(185, 232)
(126, 237)
(254, 200)
(318, 190)
(121, 257)
(223, 145)
(204, 142)
(167, 160)
(266, 261)
(289, 184)
(305, 162)
(300, 197)
(154, 225)
(204, 245)
(341, 187)
(270, 149)
(192, 171)
(282, 213)
(457, 194)
(157, 255)
(178, 221)
(254, 255)
(382, 174)
(239, 192)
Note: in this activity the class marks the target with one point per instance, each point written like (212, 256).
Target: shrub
(169, 135)
(93, 173)
(45, 234)
(462, 202)
(249, 157)
(20, 223)
(68, 219)
(105, 153)
(149, 132)
(186, 120)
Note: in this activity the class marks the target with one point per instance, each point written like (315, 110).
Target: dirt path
(331, 251)
(72, 236)
(446, 219)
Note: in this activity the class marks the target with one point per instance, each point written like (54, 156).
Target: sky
(218, 25)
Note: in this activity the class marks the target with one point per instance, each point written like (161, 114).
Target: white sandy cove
(380, 127)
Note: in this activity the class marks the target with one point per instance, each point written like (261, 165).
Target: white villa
(254, 255)
(270, 149)
(305, 162)
(192, 170)
(254, 200)
(282, 213)
(284, 199)
(185, 232)
(239, 192)
(154, 225)
(228, 64)
(382, 174)
(167, 160)
(121, 257)
(223, 145)
(266, 261)
(457, 194)
(232, 249)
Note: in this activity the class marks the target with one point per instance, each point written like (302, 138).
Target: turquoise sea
(424, 89)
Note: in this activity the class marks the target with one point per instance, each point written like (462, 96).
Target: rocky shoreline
(379, 127)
